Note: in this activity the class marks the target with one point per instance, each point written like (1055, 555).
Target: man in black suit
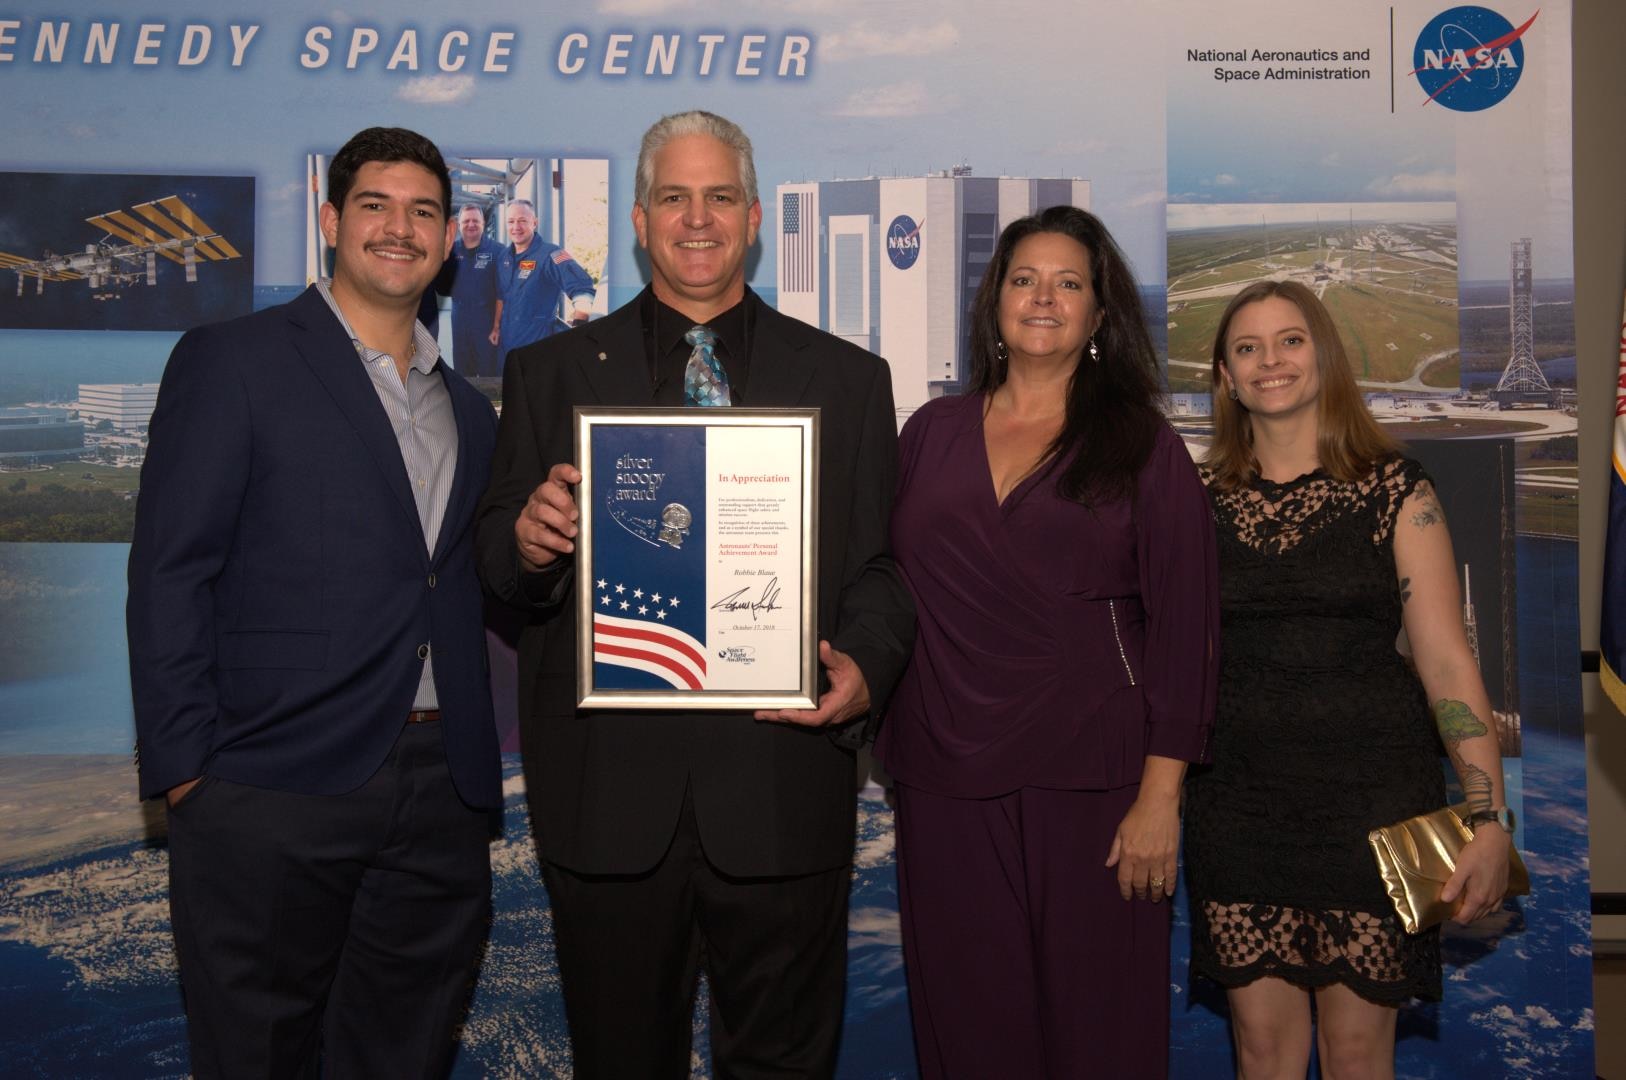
(674, 840)
(307, 653)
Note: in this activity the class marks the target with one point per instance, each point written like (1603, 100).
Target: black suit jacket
(280, 586)
(606, 788)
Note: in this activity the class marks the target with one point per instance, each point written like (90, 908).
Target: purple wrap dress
(1058, 645)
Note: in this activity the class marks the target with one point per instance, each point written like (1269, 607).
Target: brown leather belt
(423, 716)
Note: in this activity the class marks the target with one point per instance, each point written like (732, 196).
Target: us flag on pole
(798, 233)
(1613, 632)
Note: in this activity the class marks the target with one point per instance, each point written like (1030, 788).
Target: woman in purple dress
(1060, 550)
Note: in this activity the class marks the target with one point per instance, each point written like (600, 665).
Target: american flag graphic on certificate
(638, 628)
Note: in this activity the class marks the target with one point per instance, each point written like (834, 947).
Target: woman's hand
(1145, 847)
(1480, 882)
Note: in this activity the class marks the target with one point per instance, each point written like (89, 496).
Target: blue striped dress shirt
(420, 413)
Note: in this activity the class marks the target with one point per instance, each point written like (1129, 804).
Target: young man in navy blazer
(307, 653)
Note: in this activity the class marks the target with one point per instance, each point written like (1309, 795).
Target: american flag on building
(798, 236)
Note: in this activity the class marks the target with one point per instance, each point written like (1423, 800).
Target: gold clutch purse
(1416, 857)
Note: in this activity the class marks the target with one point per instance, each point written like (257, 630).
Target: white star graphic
(638, 594)
(605, 600)
(619, 589)
(660, 614)
(602, 584)
(675, 601)
(655, 597)
(625, 605)
(643, 610)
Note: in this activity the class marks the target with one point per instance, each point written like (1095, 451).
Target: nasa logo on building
(1469, 58)
(903, 241)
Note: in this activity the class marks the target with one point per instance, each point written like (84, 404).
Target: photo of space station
(124, 252)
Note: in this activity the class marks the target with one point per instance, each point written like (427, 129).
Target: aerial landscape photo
(1387, 272)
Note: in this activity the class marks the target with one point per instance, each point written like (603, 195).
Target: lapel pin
(602, 357)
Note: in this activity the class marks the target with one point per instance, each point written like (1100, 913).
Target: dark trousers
(342, 929)
(472, 351)
(1022, 958)
(774, 951)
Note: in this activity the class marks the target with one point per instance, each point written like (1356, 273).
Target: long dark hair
(1112, 402)
(1349, 443)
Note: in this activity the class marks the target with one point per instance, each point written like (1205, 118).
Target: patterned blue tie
(703, 380)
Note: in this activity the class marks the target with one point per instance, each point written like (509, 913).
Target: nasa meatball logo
(1469, 58)
(903, 241)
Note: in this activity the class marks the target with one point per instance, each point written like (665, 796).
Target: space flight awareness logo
(1469, 58)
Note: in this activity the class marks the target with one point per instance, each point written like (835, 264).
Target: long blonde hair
(1349, 443)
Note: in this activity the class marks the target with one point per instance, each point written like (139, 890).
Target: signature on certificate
(738, 601)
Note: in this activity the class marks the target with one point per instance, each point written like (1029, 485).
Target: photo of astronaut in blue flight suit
(470, 279)
(532, 276)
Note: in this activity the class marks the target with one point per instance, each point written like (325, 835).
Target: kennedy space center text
(402, 48)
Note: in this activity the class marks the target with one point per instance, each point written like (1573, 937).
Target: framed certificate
(696, 558)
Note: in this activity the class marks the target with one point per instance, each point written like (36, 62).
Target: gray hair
(694, 122)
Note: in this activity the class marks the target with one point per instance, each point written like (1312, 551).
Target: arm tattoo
(1476, 787)
(1428, 512)
(1456, 722)
(1405, 589)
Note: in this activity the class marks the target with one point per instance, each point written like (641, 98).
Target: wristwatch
(1503, 817)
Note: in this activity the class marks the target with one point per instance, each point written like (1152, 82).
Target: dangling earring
(1001, 351)
(1095, 353)
(1233, 393)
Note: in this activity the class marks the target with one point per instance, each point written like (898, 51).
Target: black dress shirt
(668, 352)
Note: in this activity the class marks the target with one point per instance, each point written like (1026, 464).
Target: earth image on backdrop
(89, 989)
(88, 986)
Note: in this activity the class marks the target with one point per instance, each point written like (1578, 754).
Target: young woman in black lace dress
(1330, 542)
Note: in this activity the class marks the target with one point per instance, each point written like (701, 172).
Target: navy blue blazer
(280, 586)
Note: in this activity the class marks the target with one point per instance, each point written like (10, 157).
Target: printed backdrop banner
(1408, 161)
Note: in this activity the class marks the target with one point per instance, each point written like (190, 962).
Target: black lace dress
(1322, 733)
